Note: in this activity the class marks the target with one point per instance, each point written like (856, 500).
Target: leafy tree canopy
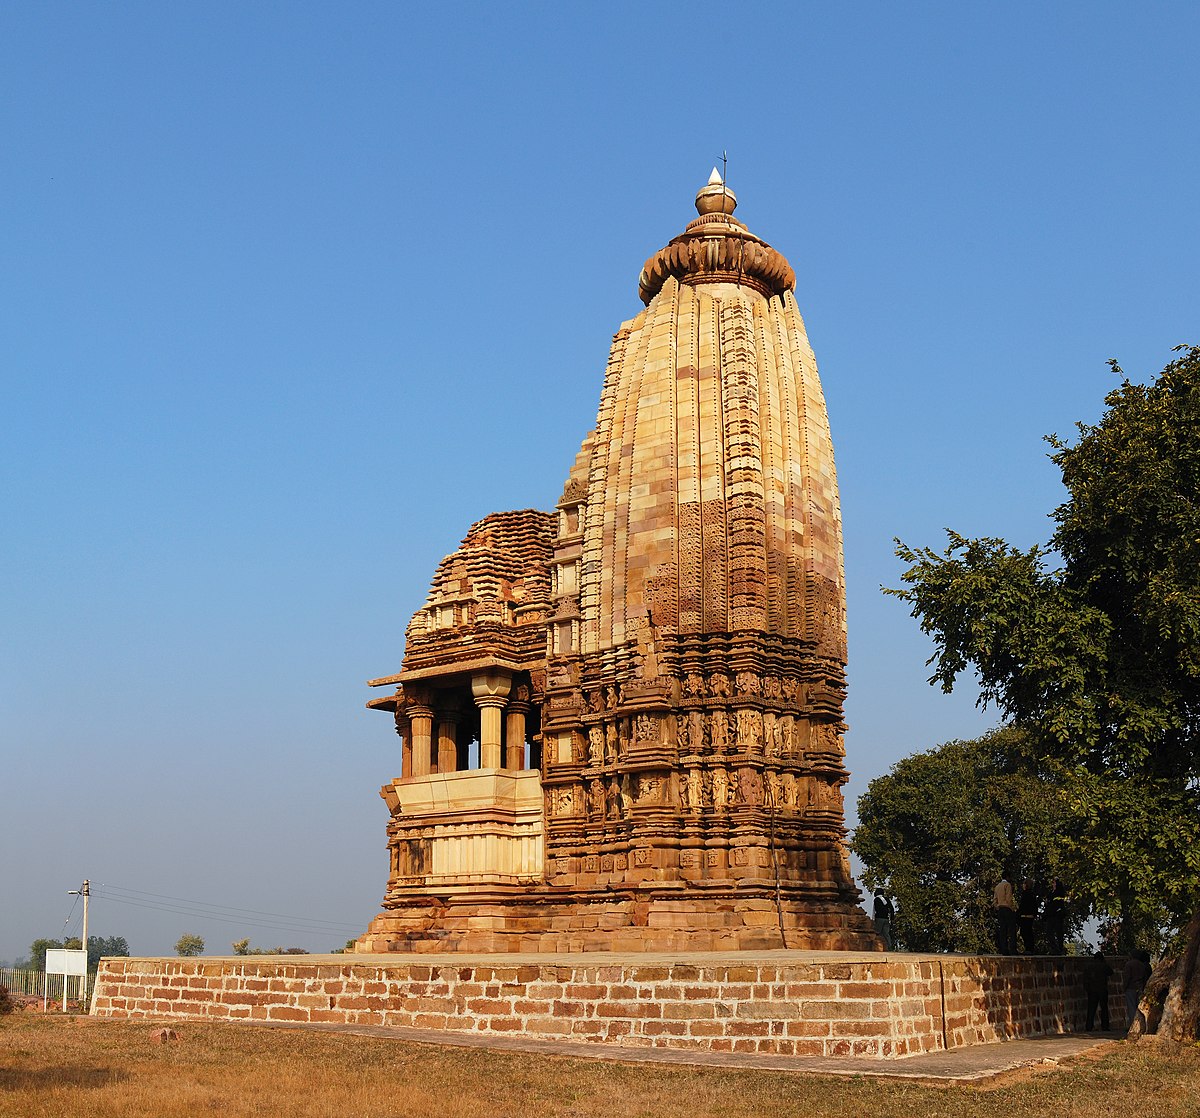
(37, 952)
(189, 945)
(100, 947)
(1097, 657)
(939, 830)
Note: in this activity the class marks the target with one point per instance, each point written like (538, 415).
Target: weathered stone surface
(622, 720)
(641, 1001)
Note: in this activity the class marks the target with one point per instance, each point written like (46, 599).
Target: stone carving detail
(610, 743)
(748, 683)
(648, 789)
(826, 739)
(749, 790)
(596, 745)
(564, 801)
(749, 730)
(720, 788)
(718, 722)
(670, 639)
(645, 728)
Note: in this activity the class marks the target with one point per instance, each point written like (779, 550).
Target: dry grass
(65, 1066)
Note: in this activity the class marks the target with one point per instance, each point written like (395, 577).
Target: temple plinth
(622, 721)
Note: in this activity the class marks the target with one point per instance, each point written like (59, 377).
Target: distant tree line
(99, 947)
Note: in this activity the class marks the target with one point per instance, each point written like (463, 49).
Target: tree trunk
(1170, 1006)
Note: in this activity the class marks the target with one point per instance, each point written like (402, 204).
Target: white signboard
(69, 962)
(66, 961)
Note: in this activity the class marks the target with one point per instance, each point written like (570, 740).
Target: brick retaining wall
(788, 1003)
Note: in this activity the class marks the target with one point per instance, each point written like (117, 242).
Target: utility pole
(84, 891)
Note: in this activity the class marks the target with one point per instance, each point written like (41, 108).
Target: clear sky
(292, 293)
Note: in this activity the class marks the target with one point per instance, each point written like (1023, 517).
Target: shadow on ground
(45, 1079)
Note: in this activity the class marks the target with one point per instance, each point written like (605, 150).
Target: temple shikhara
(621, 720)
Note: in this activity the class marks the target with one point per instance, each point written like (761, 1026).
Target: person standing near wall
(1006, 917)
(1055, 915)
(1133, 982)
(885, 912)
(1095, 983)
(1027, 911)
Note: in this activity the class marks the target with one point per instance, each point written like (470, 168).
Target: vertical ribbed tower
(686, 712)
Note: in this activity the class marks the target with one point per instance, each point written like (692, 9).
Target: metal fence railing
(48, 986)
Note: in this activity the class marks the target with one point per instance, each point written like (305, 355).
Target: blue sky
(290, 294)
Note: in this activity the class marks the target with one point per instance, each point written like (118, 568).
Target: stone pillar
(490, 691)
(514, 734)
(447, 748)
(402, 728)
(421, 720)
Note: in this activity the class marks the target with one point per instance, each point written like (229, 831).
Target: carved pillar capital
(495, 683)
(490, 691)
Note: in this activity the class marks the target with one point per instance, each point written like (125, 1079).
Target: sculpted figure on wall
(748, 683)
(750, 787)
(720, 734)
(563, 801)
(720, 788)
(774, 790)
(648, 789)
(749, 727)
(596, 799)
(612, 803)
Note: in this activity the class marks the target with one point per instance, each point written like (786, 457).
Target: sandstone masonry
(785, 1003)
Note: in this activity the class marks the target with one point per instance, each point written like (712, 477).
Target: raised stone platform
(789, 1003)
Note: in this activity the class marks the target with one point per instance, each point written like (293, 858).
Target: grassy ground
(64, 1066)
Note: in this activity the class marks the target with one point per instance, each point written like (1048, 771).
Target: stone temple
(622, 720)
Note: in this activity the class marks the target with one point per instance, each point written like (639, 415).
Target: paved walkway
(974, 1064)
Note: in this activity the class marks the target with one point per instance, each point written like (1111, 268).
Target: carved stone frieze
(658, 664)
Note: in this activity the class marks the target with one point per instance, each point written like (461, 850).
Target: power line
(227, 914)
(70, 914)
(119, 890)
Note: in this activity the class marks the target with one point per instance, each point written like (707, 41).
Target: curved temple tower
(622, 722)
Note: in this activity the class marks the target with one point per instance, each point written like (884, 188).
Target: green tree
(1098, 657)
(189, 945)
(939, 830)
(38, 949)
(100, 947)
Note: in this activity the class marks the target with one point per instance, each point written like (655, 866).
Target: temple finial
(715, 197)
